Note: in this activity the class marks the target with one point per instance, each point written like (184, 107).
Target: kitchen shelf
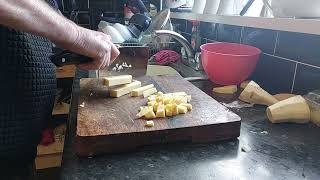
(309, 26)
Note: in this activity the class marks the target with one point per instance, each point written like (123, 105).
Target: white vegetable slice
(149, 92)
(139, 91)
(124, 89)
(117, 80)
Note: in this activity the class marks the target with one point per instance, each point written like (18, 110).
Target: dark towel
(27, 92)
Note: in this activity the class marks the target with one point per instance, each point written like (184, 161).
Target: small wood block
(61, 109)
(67, 71)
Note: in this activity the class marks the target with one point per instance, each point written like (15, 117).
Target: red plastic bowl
(229, 63)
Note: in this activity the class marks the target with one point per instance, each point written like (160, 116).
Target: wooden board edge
(91, 146)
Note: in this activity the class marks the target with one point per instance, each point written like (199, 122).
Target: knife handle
(66, 58)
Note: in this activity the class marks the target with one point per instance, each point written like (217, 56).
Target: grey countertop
(283, 151)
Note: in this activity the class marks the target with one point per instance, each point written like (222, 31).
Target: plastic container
(226, 7)
(229, 63)
(294, 8)
(123, 30)
(198, 6)
(211, 7)
(114, 34)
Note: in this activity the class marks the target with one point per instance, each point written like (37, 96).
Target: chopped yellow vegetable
(188, 106)
(152, 103)
(244, 84)
(143, 107)
(150, 115)
(168, 113)
(159, 98)
(152, 98)
(226, 89)
(182, 109)
(182, 99)
(160, 93)
(167, 101)
(139, 91)
(121, 90)
(175, 110)
(168, 108)
(149, 92)
(149, 123)
(177, 99)
(156, 105)
(161, 111)
(166, 105)
(143, 111)
(117, 80)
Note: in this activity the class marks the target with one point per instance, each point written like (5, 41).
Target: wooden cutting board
(109, 125)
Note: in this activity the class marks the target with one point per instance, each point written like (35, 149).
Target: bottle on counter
(127, 14)
(195, 36)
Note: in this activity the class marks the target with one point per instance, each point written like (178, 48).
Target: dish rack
(154, 47)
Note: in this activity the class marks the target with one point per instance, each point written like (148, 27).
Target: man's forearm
(37, 17)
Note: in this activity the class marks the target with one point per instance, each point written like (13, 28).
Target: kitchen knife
(133, 60)
(66, 57)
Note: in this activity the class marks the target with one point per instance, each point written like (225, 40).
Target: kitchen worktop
(283, 151)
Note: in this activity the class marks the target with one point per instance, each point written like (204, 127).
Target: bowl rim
(225, 54)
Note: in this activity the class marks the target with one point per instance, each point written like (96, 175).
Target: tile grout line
(62, 1)
(216, 31)
(82, 12)
(185, 25)
(294, 77)
(276, 43)
(294, 61)
(186, 33)
(241, 34)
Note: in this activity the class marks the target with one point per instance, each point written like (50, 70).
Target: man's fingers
(114, 53)
(100, 48)
(106, 37)
(86, 66)
(106, 61)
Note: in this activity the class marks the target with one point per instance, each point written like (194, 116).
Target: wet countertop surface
(263, 151)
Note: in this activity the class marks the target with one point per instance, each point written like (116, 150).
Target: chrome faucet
(193, 59)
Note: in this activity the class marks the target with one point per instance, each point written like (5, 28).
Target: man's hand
(96, 45)
(40, 19)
